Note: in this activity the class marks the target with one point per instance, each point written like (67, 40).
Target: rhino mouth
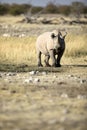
(56, 51)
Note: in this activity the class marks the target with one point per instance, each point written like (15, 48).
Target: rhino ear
(52, 35)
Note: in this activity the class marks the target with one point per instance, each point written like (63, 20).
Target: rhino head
(58, 40)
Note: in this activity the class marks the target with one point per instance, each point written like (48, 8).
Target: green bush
(51, 8)
(85, 10)
(77, 7)
(4, 9)
(36, 9)
(14, 9)
(66, 10)
(17, 9)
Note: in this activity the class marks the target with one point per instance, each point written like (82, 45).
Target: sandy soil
(43, 100)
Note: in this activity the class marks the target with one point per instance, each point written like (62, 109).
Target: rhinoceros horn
(65, 35)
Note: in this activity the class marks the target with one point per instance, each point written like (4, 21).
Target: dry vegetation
(20, 50)
(17, 50)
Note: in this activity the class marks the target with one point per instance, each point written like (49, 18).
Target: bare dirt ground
(43, 100)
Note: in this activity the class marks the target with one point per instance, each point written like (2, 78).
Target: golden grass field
(22, 50)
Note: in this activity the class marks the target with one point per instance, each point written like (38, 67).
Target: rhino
(52, 45)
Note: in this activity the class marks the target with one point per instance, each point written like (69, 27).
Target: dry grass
(7, 19)
(17, 50)
(76, 45)
(22, 50)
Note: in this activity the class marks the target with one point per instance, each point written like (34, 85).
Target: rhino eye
(53, 35)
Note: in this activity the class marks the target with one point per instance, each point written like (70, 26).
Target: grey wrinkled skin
(52, 45)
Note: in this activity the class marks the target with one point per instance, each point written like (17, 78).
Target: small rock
(22, 35)
(28, 80)
(82, 81)
(36, 80)
(11, 74)
(64, 95)
(32, 72)
(37, 72)
(44, 73)
(70, 76)
(54, 76)
(75, 78)
(6, 35)
(81, 97)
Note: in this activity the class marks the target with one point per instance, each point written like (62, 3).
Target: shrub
(64, 9)
(85, 10)
(51, 8)
(16, 9)
(4, 8)
(36, 9)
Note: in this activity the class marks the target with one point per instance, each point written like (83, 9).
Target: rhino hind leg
(47, 61)
(39, 59)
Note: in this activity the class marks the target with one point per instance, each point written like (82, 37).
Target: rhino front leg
(39, 58)
(59, 56)
(52, 56)
(47, 57)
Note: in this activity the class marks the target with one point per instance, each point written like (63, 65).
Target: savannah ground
(50, 98)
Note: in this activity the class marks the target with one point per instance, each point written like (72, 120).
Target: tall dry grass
(17, 50)
(22, 50)
(76, 45)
